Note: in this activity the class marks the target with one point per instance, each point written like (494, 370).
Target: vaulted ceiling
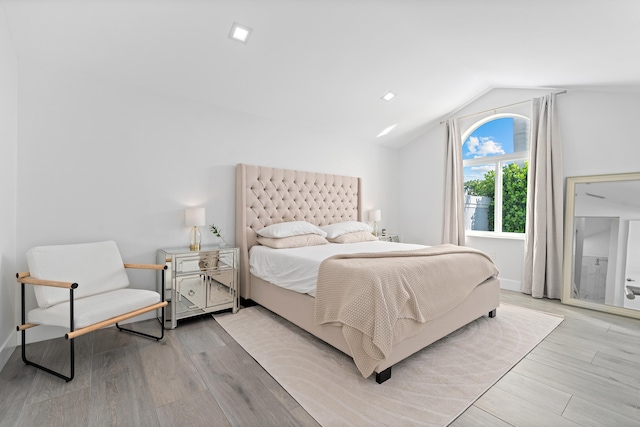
(325, 64)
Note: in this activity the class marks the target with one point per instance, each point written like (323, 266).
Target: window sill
(492, 235)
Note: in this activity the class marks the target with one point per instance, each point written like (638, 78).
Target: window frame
(499, 162)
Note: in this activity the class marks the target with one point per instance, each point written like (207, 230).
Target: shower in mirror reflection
(602, 243)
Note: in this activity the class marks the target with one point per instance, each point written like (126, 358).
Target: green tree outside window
(514, 195)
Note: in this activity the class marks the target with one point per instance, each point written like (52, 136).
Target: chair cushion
(95, 267)
(96, 308)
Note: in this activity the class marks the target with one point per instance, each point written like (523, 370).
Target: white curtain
(543, 241)
(453, 186)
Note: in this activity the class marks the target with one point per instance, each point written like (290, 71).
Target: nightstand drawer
(191, 293)
(187, 265)
(219, 293)
(197, 263)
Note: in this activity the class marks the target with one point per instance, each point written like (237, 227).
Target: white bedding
(297, 268)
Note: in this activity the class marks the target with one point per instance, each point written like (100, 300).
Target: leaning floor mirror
(602, 243)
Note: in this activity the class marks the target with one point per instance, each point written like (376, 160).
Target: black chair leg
(57, 374)
(24, 341)
(157, 338)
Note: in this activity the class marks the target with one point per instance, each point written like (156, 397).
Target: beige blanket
(382, 298)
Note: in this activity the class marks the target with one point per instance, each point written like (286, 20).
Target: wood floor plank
(590, 371)
(67, 410)
(519, 412)
(303, 417)
(170, 371)
(244, 399)
(119, 390)
(476, 417)
(627, 367)
(578, 353)
(539, 394)
(195, 410)
(609, 395)
(626, 329)
(196, 336)
(588, 415)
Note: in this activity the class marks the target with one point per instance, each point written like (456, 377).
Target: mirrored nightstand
(199, 282)
(391, 238)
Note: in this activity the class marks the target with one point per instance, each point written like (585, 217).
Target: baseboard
(511, 285)
(7, 349)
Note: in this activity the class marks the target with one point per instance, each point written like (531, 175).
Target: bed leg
(493, 313)
(383, 376)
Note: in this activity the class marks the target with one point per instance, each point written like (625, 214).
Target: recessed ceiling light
(388, 96)
(240, 33)
(386, 131)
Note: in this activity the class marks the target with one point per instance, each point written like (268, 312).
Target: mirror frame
(568, 242)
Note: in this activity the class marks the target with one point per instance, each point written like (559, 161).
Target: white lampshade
(375, 215)
(194, 217)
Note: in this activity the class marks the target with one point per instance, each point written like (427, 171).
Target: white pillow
(340, 228)
(288, 229)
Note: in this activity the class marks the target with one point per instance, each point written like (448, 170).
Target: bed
(266, 196)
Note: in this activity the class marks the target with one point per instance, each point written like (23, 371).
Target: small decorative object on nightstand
(199, 282)
(390, 238)
(216, 231)
(194, 217)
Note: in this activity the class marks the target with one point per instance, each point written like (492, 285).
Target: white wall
(100, 160)
(8, 144)
(598, 134)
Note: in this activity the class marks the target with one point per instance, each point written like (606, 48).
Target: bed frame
(267, 196)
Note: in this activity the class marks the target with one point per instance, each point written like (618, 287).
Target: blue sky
(494, 137)
(490, 139)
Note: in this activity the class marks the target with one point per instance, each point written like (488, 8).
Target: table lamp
(194, 217)
(375, 215)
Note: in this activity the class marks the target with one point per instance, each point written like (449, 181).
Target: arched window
(495, 157)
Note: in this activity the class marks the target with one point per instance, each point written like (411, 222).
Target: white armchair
(83, 287)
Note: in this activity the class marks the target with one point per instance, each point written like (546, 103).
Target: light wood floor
(585, 373)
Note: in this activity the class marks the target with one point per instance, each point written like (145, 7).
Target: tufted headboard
(266, 196)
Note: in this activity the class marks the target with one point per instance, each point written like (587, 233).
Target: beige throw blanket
(382, 298)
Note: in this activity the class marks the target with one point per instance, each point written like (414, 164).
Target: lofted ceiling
(325, 64)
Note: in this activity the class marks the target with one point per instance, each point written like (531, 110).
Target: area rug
(430, 388)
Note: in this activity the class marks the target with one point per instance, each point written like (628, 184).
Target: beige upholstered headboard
(266, 196)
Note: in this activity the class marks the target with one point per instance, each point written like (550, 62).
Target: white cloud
(483, 146)
(483, 169)
(472, 144)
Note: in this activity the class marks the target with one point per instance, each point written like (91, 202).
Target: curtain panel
(453, 228)
(544, 230)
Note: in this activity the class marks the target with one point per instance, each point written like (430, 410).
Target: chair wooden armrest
(146, 266)
(114, 321)
(24, 277)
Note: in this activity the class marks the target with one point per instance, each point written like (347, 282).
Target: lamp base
(196, 238)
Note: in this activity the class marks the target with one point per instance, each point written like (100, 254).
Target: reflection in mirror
(602, 243)
(595, 243)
